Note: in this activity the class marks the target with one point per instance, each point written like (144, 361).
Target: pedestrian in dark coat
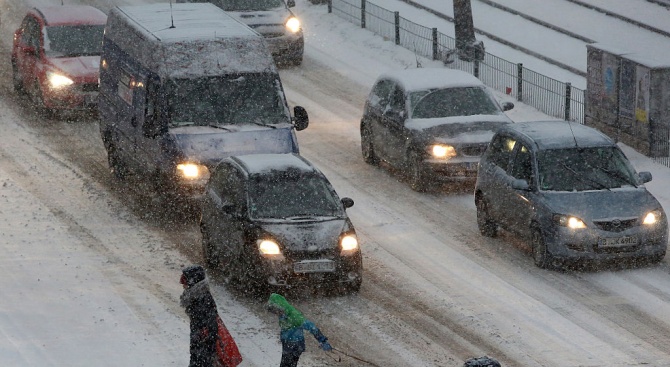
(201, 310)
(292, 323)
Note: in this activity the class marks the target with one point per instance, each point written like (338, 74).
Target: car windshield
(579, 169)
(73, 40)
(227, 100)
(248, 5)
(449, 102)
(291, 195)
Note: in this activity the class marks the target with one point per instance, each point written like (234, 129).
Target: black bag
(481, 362)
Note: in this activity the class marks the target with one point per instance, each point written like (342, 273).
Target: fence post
(397, 27)
(568, 99)
(330, 6)
(519, 82)
(436, 52)
(362, 13)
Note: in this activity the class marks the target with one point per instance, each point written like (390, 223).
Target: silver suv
(571, 192)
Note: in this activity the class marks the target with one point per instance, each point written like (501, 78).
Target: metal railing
(553, 97)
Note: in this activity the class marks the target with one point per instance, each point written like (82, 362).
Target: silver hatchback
(571, 192)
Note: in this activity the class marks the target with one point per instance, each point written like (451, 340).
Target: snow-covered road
(90, 267)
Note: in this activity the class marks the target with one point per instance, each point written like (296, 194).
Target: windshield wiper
(592, 182)
(219, 127)
(260, 124)
(618, 175)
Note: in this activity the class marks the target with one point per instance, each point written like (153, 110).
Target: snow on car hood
(602, 204)
(83, 67)
(468, 129)
(208, 145)
(307, 235)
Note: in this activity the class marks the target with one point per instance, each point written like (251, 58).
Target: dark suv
(570, 191)
(275, 220)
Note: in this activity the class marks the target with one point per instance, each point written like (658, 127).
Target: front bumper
(287, 46)
(457, 168)
(595, 244)
(281, 273)
(75, 97)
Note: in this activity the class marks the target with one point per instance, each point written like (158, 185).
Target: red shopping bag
(227, 354)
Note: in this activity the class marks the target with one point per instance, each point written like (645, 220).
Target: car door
(377, 102)
(518, 203)
(394, 126)
(29, 50)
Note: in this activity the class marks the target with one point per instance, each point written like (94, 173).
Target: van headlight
(348, 244)
(57, 80)
(569, 221)
(443, 151)
(269, 249)
(192, 171)
(293, 24)
(652, 217)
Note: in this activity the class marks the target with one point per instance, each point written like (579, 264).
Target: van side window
(380, 94)
(397, 102)
(125, 86)
(232, 190)
(522, 167)
(500, 151)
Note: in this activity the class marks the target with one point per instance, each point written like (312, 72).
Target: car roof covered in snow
(71, 15)
(429, 78)
(255, 164)
(559, 134)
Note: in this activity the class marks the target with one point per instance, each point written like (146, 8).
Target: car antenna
(416, 56)
(573, 135)
(171, 16)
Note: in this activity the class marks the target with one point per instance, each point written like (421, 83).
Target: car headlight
(569, 221)
(443, 151)
(293, 24)
(57, 81)
(269, 248)
(652, 217)
(348, 243)
(192, 171)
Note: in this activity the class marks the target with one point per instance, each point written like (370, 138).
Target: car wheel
(368, 148)
(16, 79)
(541, 255)
(211, 258)
(487, 226)
(116, 165)
(417, 178)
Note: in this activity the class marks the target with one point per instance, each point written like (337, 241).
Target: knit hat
(192, 275)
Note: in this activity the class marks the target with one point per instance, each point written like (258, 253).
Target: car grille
(472, 150)
(90, 87)
(617, 225)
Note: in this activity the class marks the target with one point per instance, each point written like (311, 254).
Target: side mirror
(300, 119)
(290, 3)
(507, 106)
(30, 50)
(644, 176)
(347, 202)
(519, 184)
(395, 115)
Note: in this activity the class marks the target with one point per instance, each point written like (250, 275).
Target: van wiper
(219, 127)
(618, 175)
(592, 182)
(260, 124)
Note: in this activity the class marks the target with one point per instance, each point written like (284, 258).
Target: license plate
(315, 266)
(618, 241)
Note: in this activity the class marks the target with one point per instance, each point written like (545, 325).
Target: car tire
(16, 79)
(487, 226)
(116, 165)
(211, 259)
(541, 255)
(417, 178)
(367, 147)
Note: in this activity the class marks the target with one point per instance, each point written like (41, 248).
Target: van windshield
(73, 40)
(285, 195)
(235, 99)
(579, 169)
(248, 5)
(449, 102)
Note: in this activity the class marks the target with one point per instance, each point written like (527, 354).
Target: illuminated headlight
(293, 24)
(652, 217)
(192, 171)
(269, 248)
(349, 243)
(569, 221)
(57, 81)
(442, 151)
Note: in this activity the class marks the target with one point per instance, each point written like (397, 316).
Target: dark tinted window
(500, 151)
(522, 167)
(292, 194)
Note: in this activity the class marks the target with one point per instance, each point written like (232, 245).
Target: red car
(56, 56)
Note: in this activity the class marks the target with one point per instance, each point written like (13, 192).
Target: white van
(183, 86)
